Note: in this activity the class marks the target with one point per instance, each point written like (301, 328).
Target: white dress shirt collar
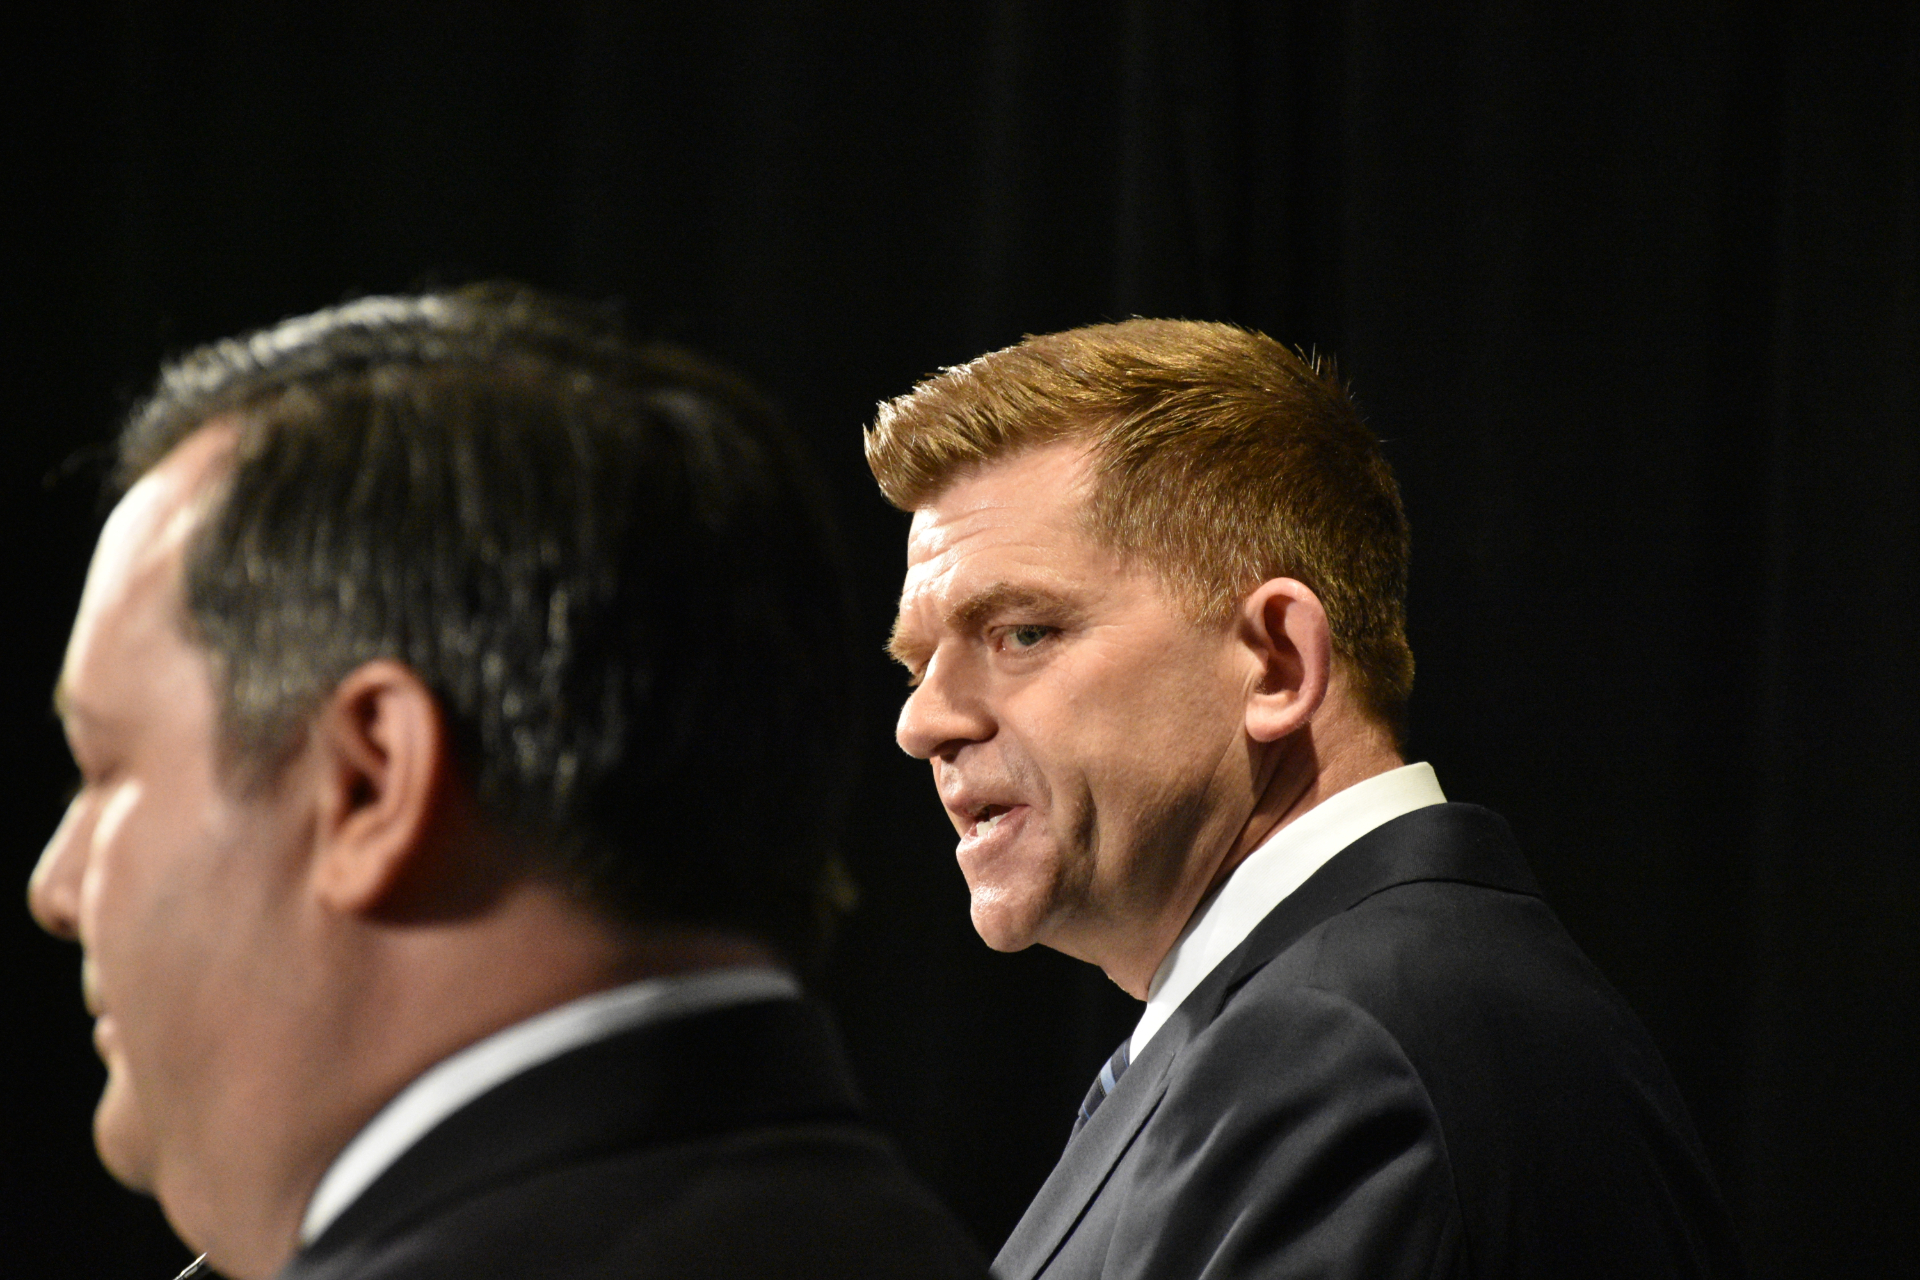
(453, 1082)
(1281, 864)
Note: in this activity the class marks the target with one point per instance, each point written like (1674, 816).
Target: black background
(1630, 289)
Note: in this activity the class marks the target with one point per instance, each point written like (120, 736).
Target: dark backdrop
(1629, 288)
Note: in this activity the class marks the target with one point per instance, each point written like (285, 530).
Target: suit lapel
(1089, 1159)
(1442, 842)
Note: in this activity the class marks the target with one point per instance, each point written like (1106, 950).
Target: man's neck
(1339, 749)
(1270, 875)
(450, 1084)
(1307, 778)
(406, 996)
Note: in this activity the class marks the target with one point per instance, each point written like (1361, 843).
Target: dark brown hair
(603, 557)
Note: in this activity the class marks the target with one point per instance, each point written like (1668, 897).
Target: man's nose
(53, 890)
(943, 713)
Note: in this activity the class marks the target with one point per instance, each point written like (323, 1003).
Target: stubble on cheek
(1140, 885)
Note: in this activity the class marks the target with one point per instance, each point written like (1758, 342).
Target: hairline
(1205, 606)
(246, 763)
(1203, 600)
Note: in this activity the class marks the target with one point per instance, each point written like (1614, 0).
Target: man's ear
(381, 747)
(1284, 626)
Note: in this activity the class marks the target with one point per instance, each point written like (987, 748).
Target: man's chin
(1002, 924)
(122, 1137)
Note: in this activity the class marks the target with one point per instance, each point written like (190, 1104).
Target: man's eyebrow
(975, 610)
(900, 647)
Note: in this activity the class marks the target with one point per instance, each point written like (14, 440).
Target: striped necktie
(1103, 1085)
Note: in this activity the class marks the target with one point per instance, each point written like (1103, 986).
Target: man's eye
(1026, 637)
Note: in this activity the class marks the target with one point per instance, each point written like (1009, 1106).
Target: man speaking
(453, 692)
(1153, 616)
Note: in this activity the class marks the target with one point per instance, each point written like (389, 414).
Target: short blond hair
(1221, 459)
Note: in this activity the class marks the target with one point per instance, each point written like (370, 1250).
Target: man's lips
(993, 826)
(104, 1033)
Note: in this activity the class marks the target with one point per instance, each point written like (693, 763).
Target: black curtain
(1630, 289)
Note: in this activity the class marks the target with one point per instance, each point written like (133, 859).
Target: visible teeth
(986, 825)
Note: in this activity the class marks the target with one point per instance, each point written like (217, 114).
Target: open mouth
(988, 818)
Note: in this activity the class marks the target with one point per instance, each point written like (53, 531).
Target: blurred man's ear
(1285, 629)
(380, 752)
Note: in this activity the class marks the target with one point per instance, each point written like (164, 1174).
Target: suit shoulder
(1565, 1135)
(1461, 973)
(782, 1201)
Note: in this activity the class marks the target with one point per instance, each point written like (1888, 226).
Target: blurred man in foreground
(1153, 615)
(453, 692)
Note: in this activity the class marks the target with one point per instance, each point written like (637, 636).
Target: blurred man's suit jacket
(725, 1144)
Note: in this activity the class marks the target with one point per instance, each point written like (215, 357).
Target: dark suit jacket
(1407, 1070)
(725, 1144)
